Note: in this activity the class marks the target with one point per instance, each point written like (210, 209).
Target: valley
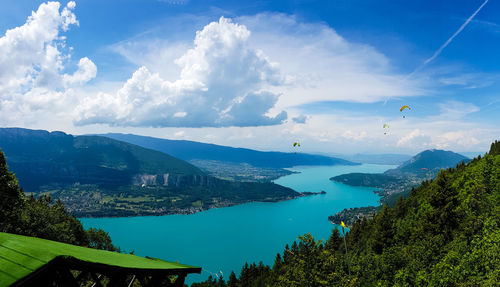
(239, 171)
(95, 176)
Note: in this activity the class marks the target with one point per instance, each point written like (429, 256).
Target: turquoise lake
(225, 238)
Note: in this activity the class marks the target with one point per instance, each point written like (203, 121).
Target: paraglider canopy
(296, 144)
(404, 107)
(386, 128)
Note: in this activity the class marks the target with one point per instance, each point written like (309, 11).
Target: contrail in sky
(449, 40)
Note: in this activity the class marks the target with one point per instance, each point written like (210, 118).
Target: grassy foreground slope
(446, 233)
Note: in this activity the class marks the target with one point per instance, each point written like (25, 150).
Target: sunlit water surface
(225, 238)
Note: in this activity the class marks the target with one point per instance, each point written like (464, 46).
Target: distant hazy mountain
(428, 160)
(424, 165)
(399, 181)
(377, 158)
(100, 176)
(190, 150)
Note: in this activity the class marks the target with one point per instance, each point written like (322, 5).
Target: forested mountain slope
(41, 158)
(41, 217)
(98, 176)
(446, 233)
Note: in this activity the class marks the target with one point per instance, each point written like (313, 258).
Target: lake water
(225, 238)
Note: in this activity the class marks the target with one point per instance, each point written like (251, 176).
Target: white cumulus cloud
(32, 63)
(87, 70)
(223, 82)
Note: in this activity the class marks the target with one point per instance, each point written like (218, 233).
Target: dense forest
(446, 233)
(40, 217)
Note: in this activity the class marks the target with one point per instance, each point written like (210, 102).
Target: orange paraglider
(404, 107)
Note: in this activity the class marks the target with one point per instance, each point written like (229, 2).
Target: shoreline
(389, 193)
(194, 210)
(352, 214)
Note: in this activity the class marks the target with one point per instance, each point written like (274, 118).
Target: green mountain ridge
(40, 158)
(99, 176)
(231, 163)
(190, 150)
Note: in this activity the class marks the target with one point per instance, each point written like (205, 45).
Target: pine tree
(277, 262)
(295, 248)
(495, 148)
(39, 217)
(220, 282)
(244, 275)
(11, 198)
(286, 254)
(233, 281)
(335, 241)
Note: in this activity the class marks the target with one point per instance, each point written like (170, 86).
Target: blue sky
(239, 72)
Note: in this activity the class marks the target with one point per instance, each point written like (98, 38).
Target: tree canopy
(41, 217)
(446, 233)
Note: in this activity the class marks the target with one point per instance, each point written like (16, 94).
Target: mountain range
(100, 176)
(421, 166)
(39, 158)
(190, 150)
(393, 159)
